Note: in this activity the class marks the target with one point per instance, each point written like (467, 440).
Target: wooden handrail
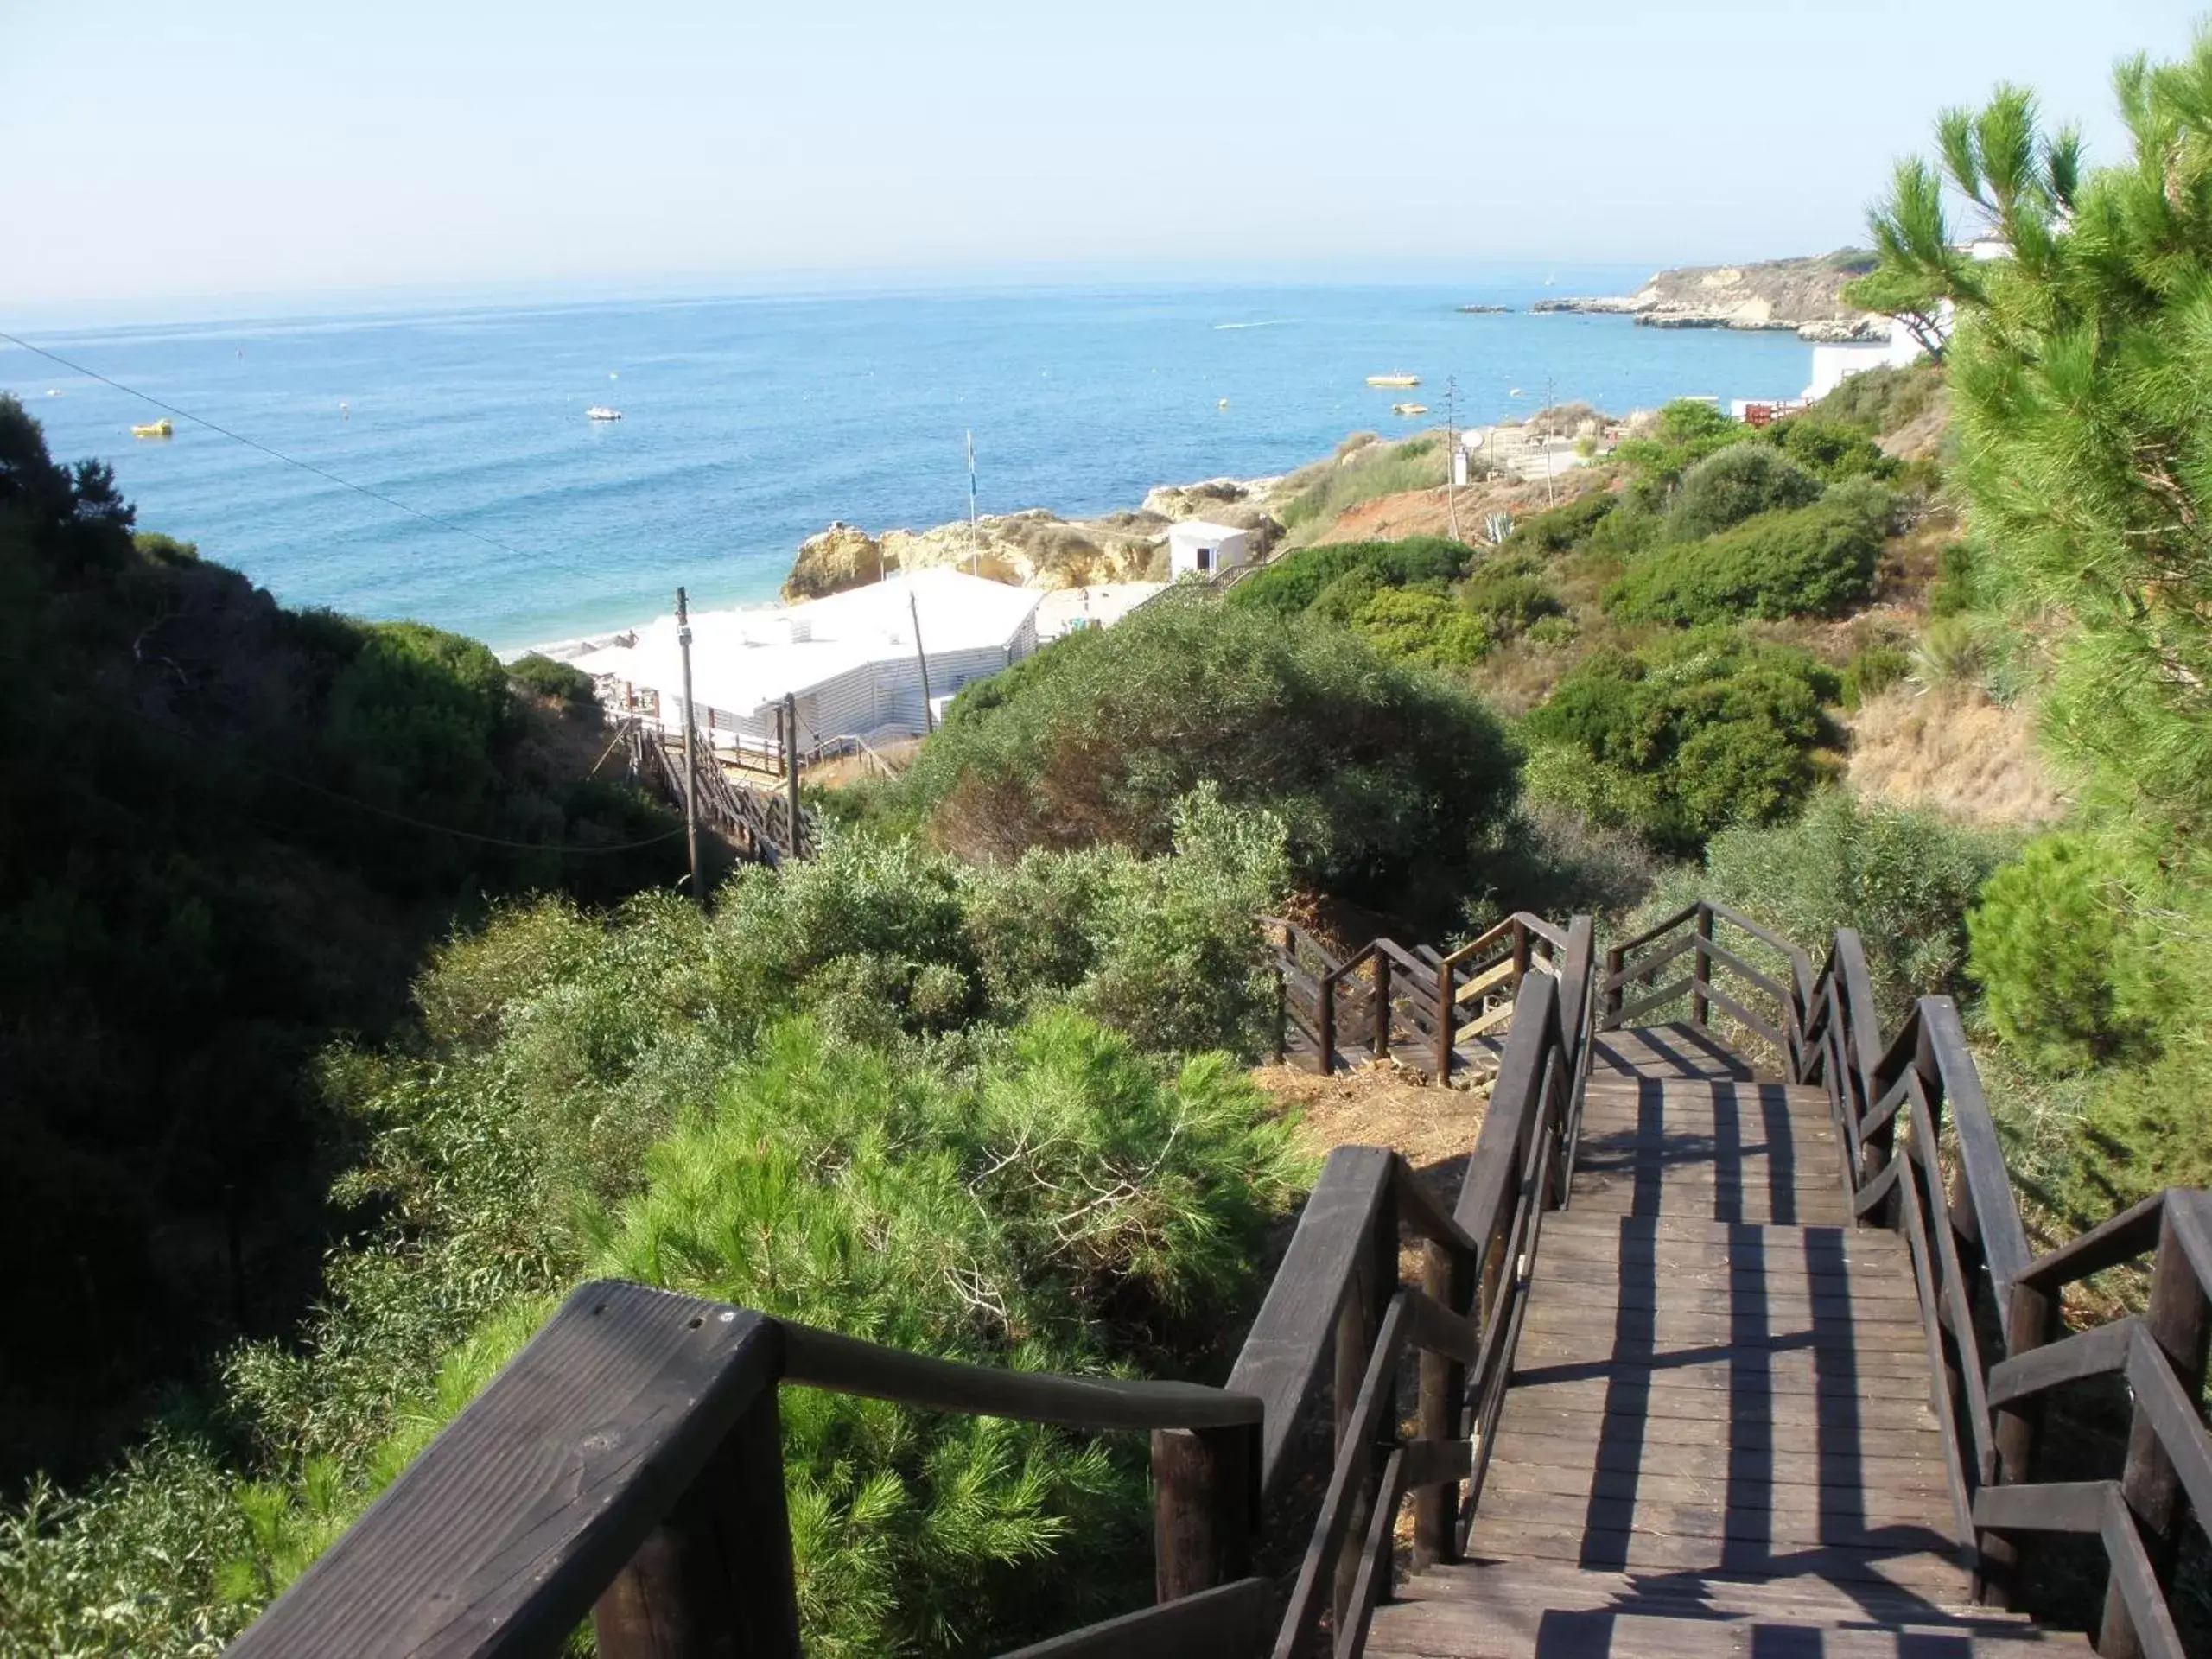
(1972, 1263)
(627, 1465)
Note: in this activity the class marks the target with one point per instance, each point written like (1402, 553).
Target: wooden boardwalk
(1717, 1437)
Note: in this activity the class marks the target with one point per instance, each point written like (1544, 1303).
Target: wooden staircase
(1716, 1438)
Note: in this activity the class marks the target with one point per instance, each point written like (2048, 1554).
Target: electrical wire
(255, 443)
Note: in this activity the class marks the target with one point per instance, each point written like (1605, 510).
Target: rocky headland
(1037, 549)
(1804, 296)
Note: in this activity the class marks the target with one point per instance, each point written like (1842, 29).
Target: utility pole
(691, 750)
(974, 546)
(1455, 459)
(921, 656)
(1545, 448)
(791, 764)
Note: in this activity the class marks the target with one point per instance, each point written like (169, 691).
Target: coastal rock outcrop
(1036, 549)
(1803, 296)
(839, 557)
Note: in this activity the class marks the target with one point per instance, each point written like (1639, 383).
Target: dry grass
(1954, 751)
(1384, 1104)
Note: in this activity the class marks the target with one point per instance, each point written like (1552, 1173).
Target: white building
(1833, 365)
(849, 660)
(1196, 548)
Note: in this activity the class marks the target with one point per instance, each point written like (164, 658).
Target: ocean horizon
(752, 421)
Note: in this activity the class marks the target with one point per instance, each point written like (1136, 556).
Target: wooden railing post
(1609, 1007)
(715, 1576)
(1520, 954)
(1448, 1277)
(1283, 1015)
(1701, 970)
(1382, 1038)
(1447, 1021)
(1205, 1503)
(1358, 1318)
(1325, 1023)
(2176, 1321)
(2019, 1426)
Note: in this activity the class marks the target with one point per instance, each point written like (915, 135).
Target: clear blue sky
(164, 149)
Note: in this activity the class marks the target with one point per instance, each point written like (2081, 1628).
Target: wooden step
(1720, 1595)
(1466, 1629)
(1681, 1050)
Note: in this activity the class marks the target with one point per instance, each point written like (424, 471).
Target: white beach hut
(1196, 548)
(849, 661)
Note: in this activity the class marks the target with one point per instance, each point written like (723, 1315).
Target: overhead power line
(276, 454)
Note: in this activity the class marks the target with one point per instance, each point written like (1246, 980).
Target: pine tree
(2082, 385)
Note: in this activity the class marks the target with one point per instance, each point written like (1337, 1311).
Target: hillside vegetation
(227, 831)
(319, 930)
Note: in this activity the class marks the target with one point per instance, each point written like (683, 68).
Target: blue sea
(749, 422)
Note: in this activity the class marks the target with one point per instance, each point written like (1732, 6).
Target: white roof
(1198, 529)
(745, 661)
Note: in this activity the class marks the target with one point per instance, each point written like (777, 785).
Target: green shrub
(1955, 589)
(561, 682)
(1904, 878)
(1813, 562)
(1509, 595)
(1061, 1207)
(1738, 483)
(1297, 581)
(1833, 447)
(1562, 530)
(1419, 626)
(1685, 738)
(1880, 401)
(2048, 935)
(1687, 431)
(1381, 773)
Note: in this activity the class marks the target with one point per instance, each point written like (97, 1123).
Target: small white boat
(1394, 379)
(1410, 409)
(602, 412)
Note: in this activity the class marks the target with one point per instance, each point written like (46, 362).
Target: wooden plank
(1716, 1520)
(2087, 1353)
(501, 1535)
(1527, 1412)
(1832, 1301)
(1591, 1547)
(1543, 1357)
(1671, 992)
(1870, 1409)
(1228, 1620)
(1796, 1461)
(1579, 1269)
(1296, 1327)
(1420, 1629)
(1895, 1499)
(827, 1359)
(1692, 1330)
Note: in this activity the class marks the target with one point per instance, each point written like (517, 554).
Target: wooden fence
(758, 822)
(1436, 1011)
(1990, 1308)
(627, 1466)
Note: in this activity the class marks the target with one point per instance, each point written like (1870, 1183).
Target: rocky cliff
(1035, 549)
(1804, 296)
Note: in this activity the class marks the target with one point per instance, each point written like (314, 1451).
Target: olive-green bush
(1685, 737)
(1814, 561)
(2049, 936)
(1382, 773)
(1736, 484)
(1904, 878)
